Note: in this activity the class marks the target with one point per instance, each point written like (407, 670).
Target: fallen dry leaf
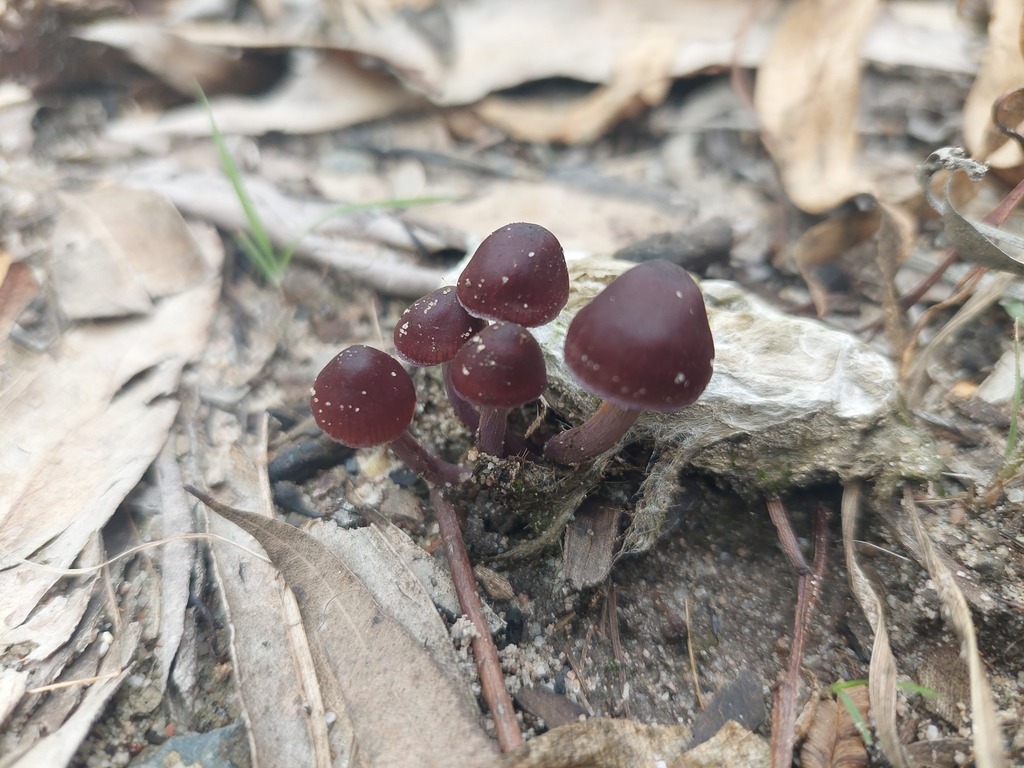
(282, 704)
(324, 90)
(117, 249)
(806, 100)
(82, 424)
(590, 539)
(368, 665)
(854, 222)
(51, 724)
(173, 57)
(640, 78)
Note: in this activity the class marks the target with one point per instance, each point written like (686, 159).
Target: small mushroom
(643, 343)
(499, 368)
(517, 275)
(430, 332)
(364, 397)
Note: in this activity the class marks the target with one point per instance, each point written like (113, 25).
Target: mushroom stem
(492, 681)
(593, 437)
(493, 421)
(464, 410)
(425, 464)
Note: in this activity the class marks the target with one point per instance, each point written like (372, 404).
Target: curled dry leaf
(177, 60)
(640, 79)
(882, 673)
(1008, 114)
(834, 741)
(852, 223)
(988, 752)
(974, 239)
(1001, 71)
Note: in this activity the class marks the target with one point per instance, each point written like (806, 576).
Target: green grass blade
(1012, 436)
(920, 690)
(842, 685)
(266, 264)
(258, 238)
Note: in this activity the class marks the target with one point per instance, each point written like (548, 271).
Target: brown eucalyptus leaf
(834, 740)
(404, 710)
(974, 239)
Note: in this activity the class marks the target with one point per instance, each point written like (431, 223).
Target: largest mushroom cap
(518, 275)
(644, 342)
(363, 397)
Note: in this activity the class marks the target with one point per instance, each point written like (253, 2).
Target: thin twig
(785, 700)
(693, 658)
(492, 681)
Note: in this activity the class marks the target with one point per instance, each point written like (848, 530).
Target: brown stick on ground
(492, 681)
(786, 698)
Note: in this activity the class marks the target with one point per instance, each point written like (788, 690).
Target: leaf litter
(560, 637)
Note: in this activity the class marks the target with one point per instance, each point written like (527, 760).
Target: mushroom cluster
(643, 343)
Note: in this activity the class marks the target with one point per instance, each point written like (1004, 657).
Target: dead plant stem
(787, 693)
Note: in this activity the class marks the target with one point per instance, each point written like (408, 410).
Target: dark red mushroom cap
(363, 397)
(501, 367)
(644, 342)
(434, 328)
(517, 275)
